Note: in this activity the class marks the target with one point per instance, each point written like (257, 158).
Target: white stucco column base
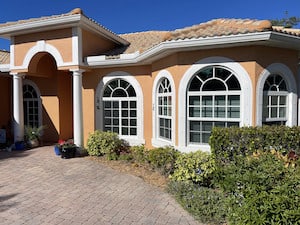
(18, 111)
(77, 108)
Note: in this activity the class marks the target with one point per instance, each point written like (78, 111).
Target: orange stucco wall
(60, 39)
(252, 59)
(94, 45)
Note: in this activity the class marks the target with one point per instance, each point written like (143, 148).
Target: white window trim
(37, 90)
(156, 141)
(133, 140)
(288, 76)
(245, 101)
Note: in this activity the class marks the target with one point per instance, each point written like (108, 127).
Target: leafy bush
(205, 204)
(197, 167)
(163, 159)
(262, 189)
(228, 143)
(104, 143)
(139, 153)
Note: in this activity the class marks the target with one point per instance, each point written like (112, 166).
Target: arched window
(163, 115)
(164, 109)
(31, 103)
(120, 108)
(275, 95)
(213, 99)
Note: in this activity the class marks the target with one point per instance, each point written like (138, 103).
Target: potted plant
(67, 149)
(33, 135)
(57, 147)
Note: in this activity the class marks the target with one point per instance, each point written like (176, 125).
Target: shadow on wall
(51, 134)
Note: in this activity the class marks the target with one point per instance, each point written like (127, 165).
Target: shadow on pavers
(14, 154)
(3, 202)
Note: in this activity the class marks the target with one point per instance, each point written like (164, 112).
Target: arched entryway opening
(55, 87)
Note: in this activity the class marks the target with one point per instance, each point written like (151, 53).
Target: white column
(18, 110)
(77, 107)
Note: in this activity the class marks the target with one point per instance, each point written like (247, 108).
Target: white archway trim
(139, 138)
(157, 142)
(42, 46)
(246, 97)
(38, 92)
(287, 74)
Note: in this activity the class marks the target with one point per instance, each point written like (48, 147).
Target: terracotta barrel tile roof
(4, 57)
(142, 41)
(220, 27)
(291, 31)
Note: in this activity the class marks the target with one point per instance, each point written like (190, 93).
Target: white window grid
(31, 106)
(120, 119)
(120, 111)
(275, 98)
(164, 109)
(215, 119)
(275, 106)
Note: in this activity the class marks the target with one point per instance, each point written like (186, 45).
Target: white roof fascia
(168, 47)
(286, 40)
(41, 25)
(4, 68)
(59, 22)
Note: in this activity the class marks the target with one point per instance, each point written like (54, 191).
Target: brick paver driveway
(37, 187)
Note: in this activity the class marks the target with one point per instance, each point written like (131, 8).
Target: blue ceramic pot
(19, 145)
(57, 150)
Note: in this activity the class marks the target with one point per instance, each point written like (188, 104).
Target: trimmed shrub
(228, 143)
(163, 159)
(262, 189)
(197, 167)
(205, 204)
(104, 143)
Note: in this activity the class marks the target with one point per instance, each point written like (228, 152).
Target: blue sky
(125, 16)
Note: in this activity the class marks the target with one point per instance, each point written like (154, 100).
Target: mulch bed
(142, 171)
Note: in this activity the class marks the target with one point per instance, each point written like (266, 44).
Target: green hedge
(227, 143)
(261, 189)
